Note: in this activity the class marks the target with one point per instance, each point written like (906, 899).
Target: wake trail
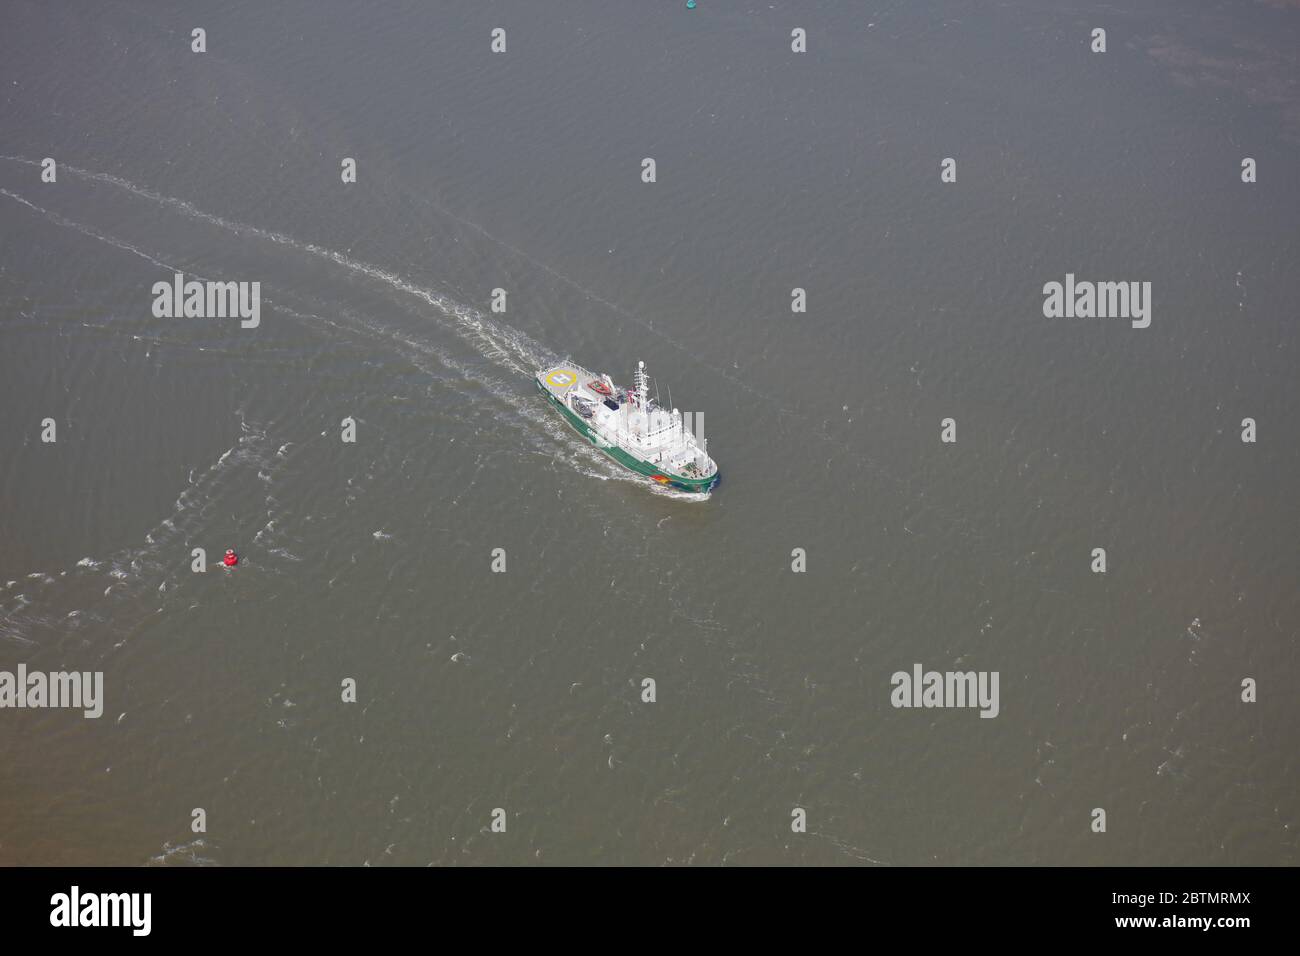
(125, 246)
(411, 348)
(504, 345)
(85, 230)
(500, 344)
(133, 579)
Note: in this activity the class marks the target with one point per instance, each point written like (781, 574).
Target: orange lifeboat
(596, 385)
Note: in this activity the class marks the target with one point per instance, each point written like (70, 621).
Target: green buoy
(690, 4)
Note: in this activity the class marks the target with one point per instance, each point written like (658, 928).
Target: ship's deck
(657, 437)
(561, 379)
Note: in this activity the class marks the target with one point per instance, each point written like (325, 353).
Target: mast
(641, 382)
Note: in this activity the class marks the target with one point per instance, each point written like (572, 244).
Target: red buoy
(231, 559)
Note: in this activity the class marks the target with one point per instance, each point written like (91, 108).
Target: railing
(640, 451)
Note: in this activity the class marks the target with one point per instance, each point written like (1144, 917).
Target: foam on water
(500, 344)
(152, 567)
(506, 346)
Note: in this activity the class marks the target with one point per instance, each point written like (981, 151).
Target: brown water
(522, 690)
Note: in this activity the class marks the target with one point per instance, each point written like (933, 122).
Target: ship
(630, 426)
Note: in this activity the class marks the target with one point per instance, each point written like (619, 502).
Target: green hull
(623, 458)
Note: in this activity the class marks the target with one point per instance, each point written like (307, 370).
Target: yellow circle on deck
(562, 378)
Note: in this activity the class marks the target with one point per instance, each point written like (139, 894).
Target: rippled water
(522, 690)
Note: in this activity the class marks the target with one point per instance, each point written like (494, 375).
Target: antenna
(642, 387)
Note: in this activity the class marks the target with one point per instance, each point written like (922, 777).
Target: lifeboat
(599, 387)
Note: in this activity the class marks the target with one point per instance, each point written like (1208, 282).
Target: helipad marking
(561, 378)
